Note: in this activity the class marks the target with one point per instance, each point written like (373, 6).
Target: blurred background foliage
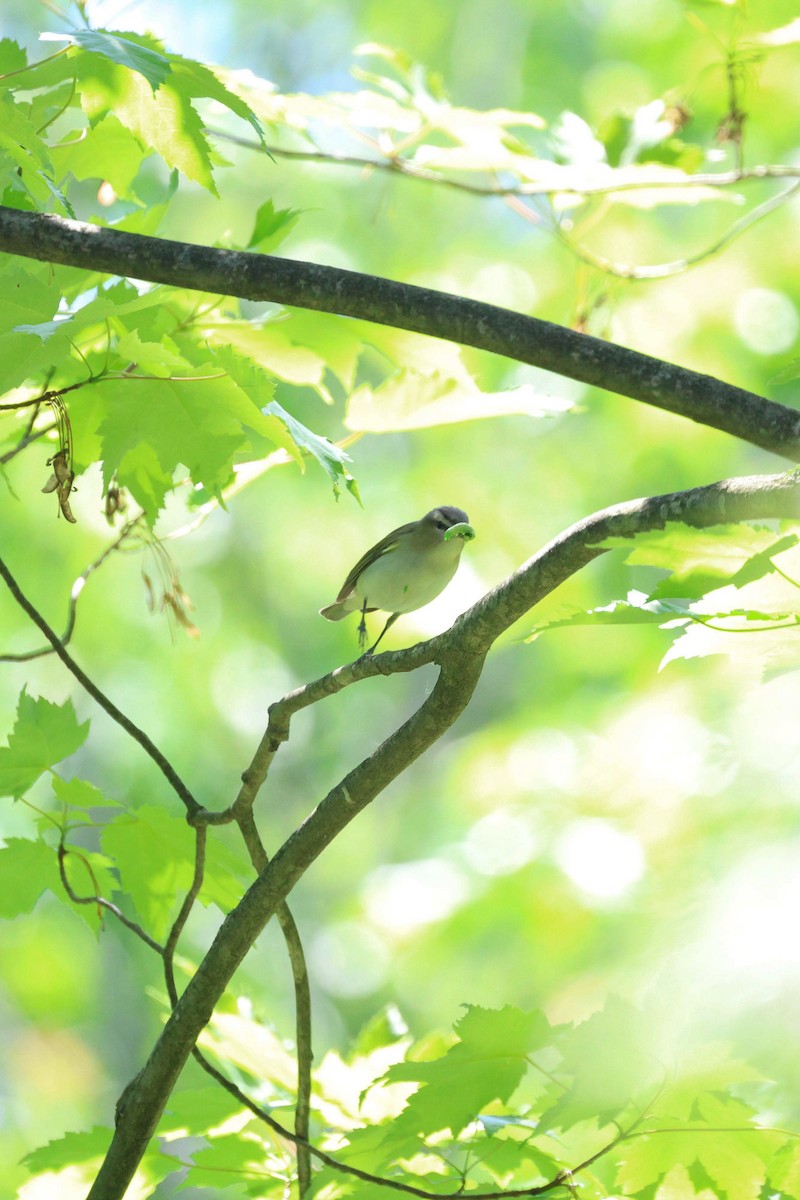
(591, 826)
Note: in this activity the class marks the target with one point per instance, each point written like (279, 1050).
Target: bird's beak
(461, 530)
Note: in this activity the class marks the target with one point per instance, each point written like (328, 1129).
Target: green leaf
(26, 870)
(636, 610)
(24, 357)
(106, 150)
(271, 226)
(508, 1157)
(235, 1158)
(339, 343)
(611, 1063)
(154, 853)
(735, 1161)
(164, 120)
(43, 734)
(251, 1045)
(701, 560)
(196, 80)
(784, 1171)
(12, 56)
(71, 1148)
(66, 1166)
(272, 349)
(228, 872)
(152, 426)
(77, 793)
(486, 1064)
(19, 137)
(199, 1110)
(154, 358)
(26, 297)
(410, 400)
(90, 875)
(252, 379)
(643, 1161)
(385, 1028)
(126, 52)
(330, 457)
(140, 471)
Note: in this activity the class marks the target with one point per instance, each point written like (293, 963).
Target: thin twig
(75, 592)
(108, 706)
(26, 441)
(101, 902)
(412, 170)
(664, 270)
(183, 916)
(48, 395)
(329, 1160)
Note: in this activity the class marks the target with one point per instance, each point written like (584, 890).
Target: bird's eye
(441, 525)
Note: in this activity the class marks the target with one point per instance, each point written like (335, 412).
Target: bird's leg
(388, 625)
(362, 629)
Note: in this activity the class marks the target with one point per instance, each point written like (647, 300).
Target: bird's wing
(384, 546)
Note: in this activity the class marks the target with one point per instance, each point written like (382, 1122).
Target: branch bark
(700, 398)
(460, 654)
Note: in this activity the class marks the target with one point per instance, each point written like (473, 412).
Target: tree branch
(100, 902)
(74, 595)
(302, 1006)
(543, 344)
(397, 165)
(460, 652)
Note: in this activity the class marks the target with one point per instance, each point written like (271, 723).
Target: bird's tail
(335, 612)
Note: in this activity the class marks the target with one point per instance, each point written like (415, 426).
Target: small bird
(405, 570)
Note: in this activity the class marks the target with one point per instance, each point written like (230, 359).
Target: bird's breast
(405, 579)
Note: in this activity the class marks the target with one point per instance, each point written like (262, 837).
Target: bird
(404, 570)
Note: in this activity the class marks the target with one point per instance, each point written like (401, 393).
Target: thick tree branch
(302, 1005)
(687, 393)
(460, 653)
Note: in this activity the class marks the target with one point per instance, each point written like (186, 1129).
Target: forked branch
(460, 654)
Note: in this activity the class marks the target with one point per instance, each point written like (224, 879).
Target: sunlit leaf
(271, 226)
(164, 120)
(71, 1148)
(26, 297)
(125, 51)
(78, 793)
(240, 1159)
(486, 1064)
(106, 150)
(44, 733)
(701, 560)
(27, 869)
(610, 1061)
(412, 401)
(635, 610)
(195, 80)
(252, 1046)
(332, 460)
(12, 56)
(198, 1111)
(153, 853)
